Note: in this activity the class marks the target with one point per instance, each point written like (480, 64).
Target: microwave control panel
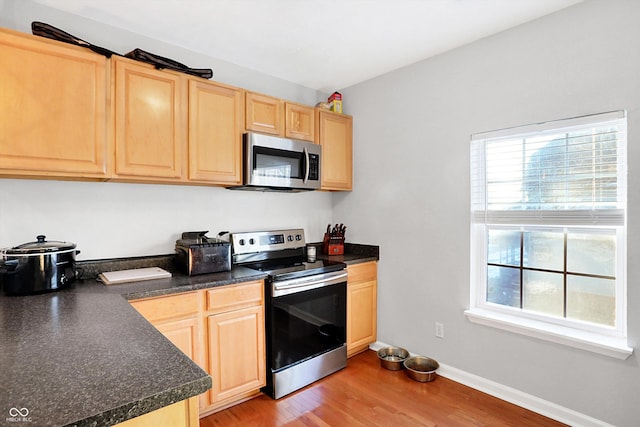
(314, 167)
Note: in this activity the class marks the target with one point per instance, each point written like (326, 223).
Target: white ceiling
(321, 44)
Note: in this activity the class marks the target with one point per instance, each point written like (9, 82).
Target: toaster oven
(198, 254)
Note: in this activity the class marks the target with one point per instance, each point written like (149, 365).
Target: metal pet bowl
(421, 368)
(392, 357)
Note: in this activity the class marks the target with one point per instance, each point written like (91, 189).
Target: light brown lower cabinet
(236, 337)
(362, 287)
(222, 330)
(236, 346)
(179, 414)
(179, 319)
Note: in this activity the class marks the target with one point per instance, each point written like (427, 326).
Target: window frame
(602, 339)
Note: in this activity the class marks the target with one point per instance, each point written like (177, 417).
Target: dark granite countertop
(83, 356)
(87, 359)
(354, 253)
(179, 282)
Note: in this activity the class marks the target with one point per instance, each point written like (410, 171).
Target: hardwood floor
(365, 394)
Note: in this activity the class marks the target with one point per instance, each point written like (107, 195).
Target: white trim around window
(566, 177)
(596, 343)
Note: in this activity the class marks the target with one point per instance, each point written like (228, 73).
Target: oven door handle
(286, 287)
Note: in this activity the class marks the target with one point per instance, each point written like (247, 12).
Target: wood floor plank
(365, 394)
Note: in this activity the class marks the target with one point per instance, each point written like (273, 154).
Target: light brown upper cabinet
(299, 122)
(335, 134)
(67, 112)
(215, 133)
(275, 116)
(150, 116)
(264, 114)
(53, 102)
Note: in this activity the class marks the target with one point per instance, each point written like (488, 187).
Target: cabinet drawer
(232, 297)
(362, 272)
(175, 306)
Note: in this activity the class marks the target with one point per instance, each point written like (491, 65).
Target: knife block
(333, 245)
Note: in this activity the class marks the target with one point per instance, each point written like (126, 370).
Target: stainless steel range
(306, 308)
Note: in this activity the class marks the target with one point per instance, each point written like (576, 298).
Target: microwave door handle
(306, 172)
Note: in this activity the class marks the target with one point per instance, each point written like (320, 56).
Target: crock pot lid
(41, 245)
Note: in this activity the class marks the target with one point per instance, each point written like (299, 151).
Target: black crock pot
(37, 267)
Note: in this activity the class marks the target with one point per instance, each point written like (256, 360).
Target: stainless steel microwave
(272, 163)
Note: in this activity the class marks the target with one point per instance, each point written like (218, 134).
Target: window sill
(608, 346)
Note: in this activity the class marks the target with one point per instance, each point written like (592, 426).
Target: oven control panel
(264, 241)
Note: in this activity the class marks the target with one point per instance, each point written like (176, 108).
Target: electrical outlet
(439, 330)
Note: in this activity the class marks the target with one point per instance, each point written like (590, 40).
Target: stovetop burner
(284, 269)
(281, 254)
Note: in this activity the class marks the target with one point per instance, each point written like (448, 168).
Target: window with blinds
(548, 221)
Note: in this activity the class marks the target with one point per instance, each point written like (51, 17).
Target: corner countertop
(83, 356)
(87, 359)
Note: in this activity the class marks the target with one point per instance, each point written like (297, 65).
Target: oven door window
(275, 163)
(306, 324)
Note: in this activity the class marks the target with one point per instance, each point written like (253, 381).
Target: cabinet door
(149, 124)
(361, 316)
(180, 414)
(177, 317)
(53, 102)
(362, 289)
(335, 134)
(215, 133)
(237, 361)
(264, 113)
(299, 122)
(184, 334)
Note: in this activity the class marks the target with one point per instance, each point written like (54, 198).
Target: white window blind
(566, 172)
(548, 232)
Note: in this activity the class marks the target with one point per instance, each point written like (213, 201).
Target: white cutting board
(134, 275)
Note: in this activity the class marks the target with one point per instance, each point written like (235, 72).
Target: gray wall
(110, 220)
(411, 133)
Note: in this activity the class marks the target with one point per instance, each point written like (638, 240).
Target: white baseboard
(511, 395)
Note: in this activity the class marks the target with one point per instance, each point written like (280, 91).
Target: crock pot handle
(11, 267)
(41, 238)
